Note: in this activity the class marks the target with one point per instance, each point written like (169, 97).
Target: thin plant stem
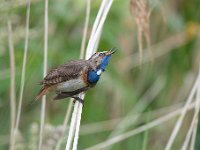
(96, 37)
(42, 119)
(107, 125)
(197, 108)
(90, 50)
(192, 145)
(82, 52)
(23, 70)
(160, 49)
(12, 84)
(110, 124)
(79, 107)
(193, 125)
(140, 129)
(142, 104)
(183, 113)
(139, 37)
(189, 133)
(145, 140)
(77, 125)
(66, 120)
(72, 127)
(95, 25)
(86, 24)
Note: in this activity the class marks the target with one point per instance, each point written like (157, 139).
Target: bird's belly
(71, 85)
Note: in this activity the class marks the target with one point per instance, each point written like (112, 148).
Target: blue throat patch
(104, 62)
(93, 77)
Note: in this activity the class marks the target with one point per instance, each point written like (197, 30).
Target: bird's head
(101, 59)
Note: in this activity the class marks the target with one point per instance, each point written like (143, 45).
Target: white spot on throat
(99, 72)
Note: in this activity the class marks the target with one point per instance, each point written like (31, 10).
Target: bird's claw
(78, 99)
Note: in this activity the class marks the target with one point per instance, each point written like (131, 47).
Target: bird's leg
(76, 98)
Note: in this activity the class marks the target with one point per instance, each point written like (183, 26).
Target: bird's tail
(42, 92)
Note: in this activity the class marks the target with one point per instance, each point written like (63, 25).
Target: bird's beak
(112, 51)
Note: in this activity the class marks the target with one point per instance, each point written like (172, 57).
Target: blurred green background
(127, 87)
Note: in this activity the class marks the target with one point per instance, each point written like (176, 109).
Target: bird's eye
(101, 54)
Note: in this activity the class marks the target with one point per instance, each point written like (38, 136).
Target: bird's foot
(78, 99)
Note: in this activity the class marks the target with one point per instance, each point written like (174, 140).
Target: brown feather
(70, 70)
(42, 92)
(65, 72)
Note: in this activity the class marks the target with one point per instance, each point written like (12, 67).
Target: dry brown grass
(141, 14)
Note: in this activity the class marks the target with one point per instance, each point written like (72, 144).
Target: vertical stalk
(196, 131)
(12, 84)
(42, 119)
(82, 52)
(91, 48)
(23, 70)
(183, 113)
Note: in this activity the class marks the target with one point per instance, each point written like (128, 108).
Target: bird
(75, 76)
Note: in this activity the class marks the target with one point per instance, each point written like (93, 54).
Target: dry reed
(42, 118)
(12, 84)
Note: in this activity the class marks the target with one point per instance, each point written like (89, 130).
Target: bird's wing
(65, 72)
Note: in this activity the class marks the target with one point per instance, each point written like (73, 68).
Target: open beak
(112, 51)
